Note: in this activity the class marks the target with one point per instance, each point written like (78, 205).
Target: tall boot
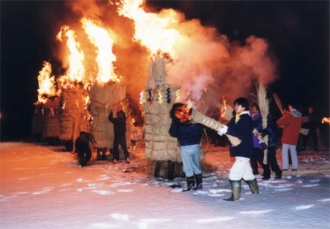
(190, 184)
(199, 182)
(253, 184)
(278, 174)
(266, 173)
(236, 190)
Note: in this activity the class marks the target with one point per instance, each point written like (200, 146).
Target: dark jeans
(120, 140)
(258, 157)
(311, 133)
(271, 157)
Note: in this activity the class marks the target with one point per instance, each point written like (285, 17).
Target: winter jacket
(243, 130)
(187, 133)
(271, 130)
(119, 123)
(257, 124)
(291, 123)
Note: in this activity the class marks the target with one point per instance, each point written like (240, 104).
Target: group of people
(246, 125)
(119, 126)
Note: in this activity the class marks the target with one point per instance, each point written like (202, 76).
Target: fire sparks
(326, 120)
(46, 83)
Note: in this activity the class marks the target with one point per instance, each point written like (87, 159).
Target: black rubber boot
(278, 174)
(199, 182)
(236, 190)
(190, 184)
(266, 175)
(253, 184)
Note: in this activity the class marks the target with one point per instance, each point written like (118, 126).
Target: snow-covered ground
(41, 187)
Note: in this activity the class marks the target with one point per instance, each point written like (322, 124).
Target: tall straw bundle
(263, 103)
(213, 124)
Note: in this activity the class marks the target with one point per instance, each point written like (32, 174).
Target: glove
(223, 130)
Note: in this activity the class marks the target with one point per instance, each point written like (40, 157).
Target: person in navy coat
(241, 126)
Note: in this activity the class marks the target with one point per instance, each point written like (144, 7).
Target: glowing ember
(223, 107)
(155, 31)
(46, 83)
(326, 120)
(103, 42)
(76, 70)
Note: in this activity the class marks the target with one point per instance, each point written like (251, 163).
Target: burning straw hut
(103, 99)
(160, 148)
(74, 115)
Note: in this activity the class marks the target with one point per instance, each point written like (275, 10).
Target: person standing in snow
(189, 137)
(82, 147)
(241, 126)
(119, 128)
(272, 131)
(291, 123)
(258, 154)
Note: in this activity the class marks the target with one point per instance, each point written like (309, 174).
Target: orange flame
(46, 83)
(155, 31)
(326, 120)
(100, 38)
(223, 107)
(76, 70)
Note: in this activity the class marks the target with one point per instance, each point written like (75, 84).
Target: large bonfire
(120, 53)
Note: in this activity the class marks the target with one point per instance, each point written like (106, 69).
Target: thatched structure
(74, 115)
(103, 99)
(160, 147)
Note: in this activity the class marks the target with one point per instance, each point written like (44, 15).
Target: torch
(197, 117)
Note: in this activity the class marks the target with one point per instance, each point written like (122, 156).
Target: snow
(42, 187)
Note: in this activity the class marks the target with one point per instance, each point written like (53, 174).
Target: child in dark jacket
(241, 126)
(189, 137)
(82, 147)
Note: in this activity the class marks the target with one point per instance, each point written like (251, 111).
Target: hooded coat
(291, 123)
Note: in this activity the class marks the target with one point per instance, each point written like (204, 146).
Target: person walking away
(310, 122)
(189, 137)
(258, 154)
(119, 128)
(82, 147)
(272, 131)
(291, 124)
(241, 126)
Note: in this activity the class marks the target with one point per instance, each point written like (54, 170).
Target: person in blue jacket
(189, 137)
(241, 126)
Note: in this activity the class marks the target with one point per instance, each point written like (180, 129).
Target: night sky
(297, 33)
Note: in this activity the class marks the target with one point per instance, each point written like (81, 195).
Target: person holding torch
(241, 126)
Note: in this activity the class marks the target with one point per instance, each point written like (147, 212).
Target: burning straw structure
(74, 115)
(103, 99)
(160, 147)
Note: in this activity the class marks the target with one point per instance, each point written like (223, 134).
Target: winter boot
(199, 182)
(278, 174)
(190, 184)
(253, 184)
(266, 175)
(236, 190)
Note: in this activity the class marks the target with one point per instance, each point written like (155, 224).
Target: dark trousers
(120, 140)
(84, 152)
(271, 157)
(258, 157)
(313, 135)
